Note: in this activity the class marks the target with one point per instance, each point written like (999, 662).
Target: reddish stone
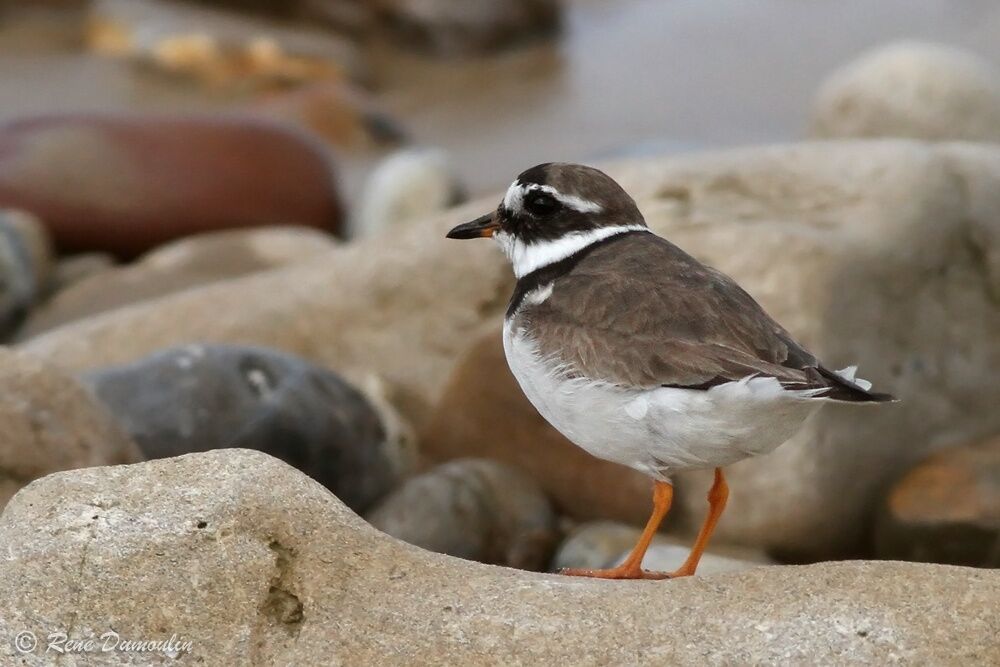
(126, 184)
(946, 509)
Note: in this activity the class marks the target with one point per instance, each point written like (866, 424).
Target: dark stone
(202, 397)
(474, 509)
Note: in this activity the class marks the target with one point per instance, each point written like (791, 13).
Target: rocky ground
(254, 579)
(329, 462)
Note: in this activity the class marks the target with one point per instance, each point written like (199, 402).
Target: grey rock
(254, 563)
(25, 263)
(202, 397)
(601, 544)
(595, 544)
(48, 422)
(665, 557)
(474, 509)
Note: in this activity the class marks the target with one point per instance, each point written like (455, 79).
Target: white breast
(657, 431)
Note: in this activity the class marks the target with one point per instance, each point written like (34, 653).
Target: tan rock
(72, 269)
(48, 422)
(885, 254)
(910, 89)
(254, 563)
(174, 267)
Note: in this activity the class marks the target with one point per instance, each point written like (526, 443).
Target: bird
(640, 354)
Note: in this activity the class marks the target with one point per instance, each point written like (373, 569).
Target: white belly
(658, 431)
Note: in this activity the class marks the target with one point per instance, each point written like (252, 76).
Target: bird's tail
(843, 385)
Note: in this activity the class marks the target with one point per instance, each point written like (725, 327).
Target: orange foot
(619, 572)
(662, 496)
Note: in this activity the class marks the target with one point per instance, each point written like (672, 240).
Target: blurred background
(498, 85)
(193, 195)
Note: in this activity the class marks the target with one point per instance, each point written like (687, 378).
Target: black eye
(539, 203)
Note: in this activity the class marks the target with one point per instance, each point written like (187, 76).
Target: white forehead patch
(513, 201)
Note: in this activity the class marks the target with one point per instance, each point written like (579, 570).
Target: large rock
(946, 509)
(126, 184)
(885, 254)
(25, 266)
(253, 563)
(188, 262)
(474, 509)
(911, 89)
(202, 397)
(49, 422)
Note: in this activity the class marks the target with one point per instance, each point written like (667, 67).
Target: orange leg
(663, 495)
(717, 497)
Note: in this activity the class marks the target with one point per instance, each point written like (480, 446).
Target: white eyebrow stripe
(514, 198)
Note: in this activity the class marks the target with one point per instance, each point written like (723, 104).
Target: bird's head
(552, 211)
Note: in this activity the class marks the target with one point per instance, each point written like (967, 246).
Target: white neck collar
(525, 258)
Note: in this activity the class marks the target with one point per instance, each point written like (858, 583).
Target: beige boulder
(885, 254)
(49, 422)
(910, 89)
(189, 262)
(255, 564)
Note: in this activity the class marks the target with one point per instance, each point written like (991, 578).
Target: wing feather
(642, 313)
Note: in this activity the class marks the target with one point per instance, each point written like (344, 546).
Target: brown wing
(640, 312)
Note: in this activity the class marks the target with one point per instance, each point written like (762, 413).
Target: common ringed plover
(639, 353)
